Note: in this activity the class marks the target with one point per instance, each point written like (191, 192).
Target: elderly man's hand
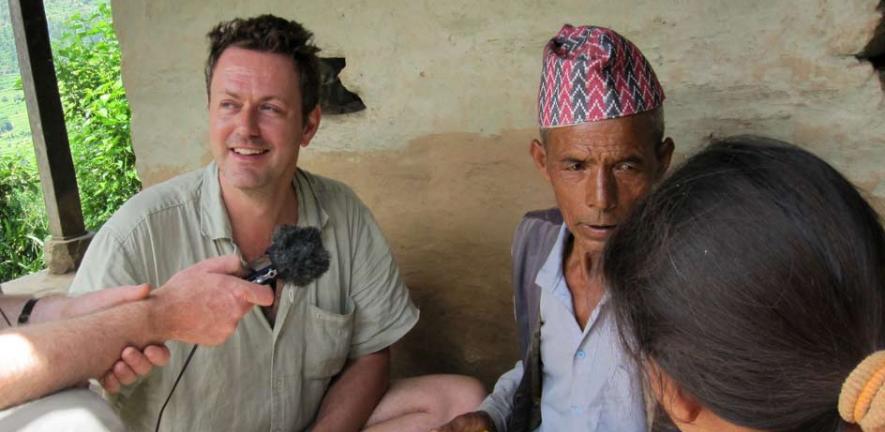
(477, 421)
(203, 303)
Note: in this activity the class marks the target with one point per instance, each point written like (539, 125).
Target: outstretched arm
(201, 304)
(42, 358)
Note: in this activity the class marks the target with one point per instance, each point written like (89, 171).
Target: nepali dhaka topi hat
(593, 73)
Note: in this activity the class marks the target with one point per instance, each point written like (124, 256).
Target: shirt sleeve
(106, 264)
(499, 404)
(383, 312)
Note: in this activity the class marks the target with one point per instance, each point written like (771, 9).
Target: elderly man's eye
(574, 166)
(627, 167)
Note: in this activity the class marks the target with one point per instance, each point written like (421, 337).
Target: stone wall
(440, 154)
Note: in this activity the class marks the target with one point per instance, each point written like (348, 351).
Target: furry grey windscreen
(298, 254)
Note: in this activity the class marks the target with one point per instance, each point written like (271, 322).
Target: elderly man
(319, 356)
(601, 147)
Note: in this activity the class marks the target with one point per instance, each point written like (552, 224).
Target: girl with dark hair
(751, 288)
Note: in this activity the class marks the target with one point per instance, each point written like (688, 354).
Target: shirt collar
(215, 222)
(310, 205)
(551, 277)
(551, 274)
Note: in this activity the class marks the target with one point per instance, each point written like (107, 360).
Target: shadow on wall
(448, 205)
(874, 52)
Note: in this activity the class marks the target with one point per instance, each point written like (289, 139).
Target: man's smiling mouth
(248, 151)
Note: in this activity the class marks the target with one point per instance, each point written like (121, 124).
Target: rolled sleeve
(499, 404)
(383, 311)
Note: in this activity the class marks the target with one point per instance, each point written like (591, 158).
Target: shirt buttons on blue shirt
(581, 355)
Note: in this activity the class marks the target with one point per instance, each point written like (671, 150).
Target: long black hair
(754, 276)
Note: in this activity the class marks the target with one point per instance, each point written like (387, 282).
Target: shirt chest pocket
(327, 338)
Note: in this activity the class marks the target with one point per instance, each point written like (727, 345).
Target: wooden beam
(46, 118)
(60, 192)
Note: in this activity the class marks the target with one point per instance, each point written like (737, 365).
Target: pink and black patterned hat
(593, 73)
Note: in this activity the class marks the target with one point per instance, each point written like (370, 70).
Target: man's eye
(227, 104)
(574, 166)
(271, 108)
(627, 166)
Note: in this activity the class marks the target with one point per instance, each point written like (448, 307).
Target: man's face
(255, 120)
(599, 170)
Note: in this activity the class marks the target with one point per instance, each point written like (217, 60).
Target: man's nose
(602, 191)
(247, 122)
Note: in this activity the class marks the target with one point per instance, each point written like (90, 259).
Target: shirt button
(581, 355)
(291, 295)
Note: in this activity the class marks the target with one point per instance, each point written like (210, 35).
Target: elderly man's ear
(539, 157)
(664, 154)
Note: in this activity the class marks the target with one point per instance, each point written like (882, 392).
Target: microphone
(295, 255)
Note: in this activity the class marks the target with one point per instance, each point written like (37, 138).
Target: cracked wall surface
(440, 153)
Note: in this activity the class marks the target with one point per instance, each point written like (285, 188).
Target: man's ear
(311, 125)
(682, 407)
(539, 157)
(664, 154)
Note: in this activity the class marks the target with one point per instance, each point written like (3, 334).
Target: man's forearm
(43, 358)
(355, 394)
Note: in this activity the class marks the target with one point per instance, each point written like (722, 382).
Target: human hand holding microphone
(203, 304)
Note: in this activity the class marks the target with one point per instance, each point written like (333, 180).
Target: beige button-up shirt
(262, 378)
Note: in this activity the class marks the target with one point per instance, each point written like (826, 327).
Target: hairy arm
(355, 393)
(42, 358)
(201, 304)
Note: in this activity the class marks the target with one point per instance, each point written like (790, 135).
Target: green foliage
(87, 60)
(22, 215)
(97, 115)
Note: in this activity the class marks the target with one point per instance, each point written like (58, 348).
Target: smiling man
(319, 356)
(601, 148)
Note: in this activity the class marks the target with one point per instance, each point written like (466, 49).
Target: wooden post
(68, 237)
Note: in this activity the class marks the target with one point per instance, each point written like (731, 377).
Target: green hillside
(14, 128)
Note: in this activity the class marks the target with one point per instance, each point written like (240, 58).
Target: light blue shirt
(589, 382)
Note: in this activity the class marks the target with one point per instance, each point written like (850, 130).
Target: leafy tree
(96, 114)
(97, 118)
(22, 215)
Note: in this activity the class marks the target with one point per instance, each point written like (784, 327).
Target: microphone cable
(177, 380)
(5, 318)
(295, 255)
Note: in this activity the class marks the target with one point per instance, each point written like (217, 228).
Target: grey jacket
(532, 243)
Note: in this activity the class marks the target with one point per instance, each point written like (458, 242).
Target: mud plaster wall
(440, 153)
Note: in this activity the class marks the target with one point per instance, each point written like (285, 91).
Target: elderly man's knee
(464, 394)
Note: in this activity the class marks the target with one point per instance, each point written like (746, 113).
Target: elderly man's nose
(601, 192)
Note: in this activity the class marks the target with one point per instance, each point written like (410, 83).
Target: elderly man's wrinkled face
(599, 170)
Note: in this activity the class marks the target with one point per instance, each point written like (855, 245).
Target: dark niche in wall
(874, 52)
(334, 97)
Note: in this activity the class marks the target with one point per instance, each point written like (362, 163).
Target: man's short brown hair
(271, 34)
